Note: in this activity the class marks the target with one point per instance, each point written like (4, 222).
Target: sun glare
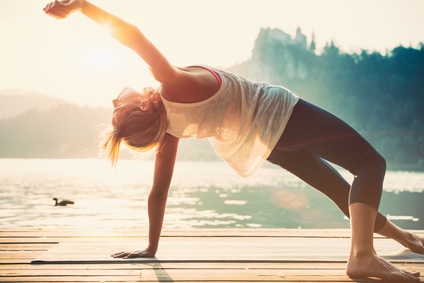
(97, 58)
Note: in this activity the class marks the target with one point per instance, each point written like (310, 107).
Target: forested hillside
(71, 131)
(15, 102)
(65, 131)
(382, 96)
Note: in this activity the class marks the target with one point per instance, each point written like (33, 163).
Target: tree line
(70, 131)
(380, 95)
(64, 131)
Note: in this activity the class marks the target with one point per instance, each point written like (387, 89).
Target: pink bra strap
(218, 78)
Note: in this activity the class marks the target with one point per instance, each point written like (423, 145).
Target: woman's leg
(326, 136)
(320, 175)
(407, 239)
(363, 260)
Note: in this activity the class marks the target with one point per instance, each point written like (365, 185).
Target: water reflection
(270, 207)
(108, 199)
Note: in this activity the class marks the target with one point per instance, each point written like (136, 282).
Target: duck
(64, 202)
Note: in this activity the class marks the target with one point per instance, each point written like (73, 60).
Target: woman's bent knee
(368, 184)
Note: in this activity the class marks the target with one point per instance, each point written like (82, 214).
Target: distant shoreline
(390, 167)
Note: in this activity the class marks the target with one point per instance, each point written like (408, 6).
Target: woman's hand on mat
(63, 8)
(134, 254)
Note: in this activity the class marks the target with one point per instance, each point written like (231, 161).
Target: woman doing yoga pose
(247, 123)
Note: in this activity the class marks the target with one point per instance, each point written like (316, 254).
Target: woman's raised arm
(126, 33)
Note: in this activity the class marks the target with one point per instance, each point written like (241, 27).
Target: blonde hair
(141, 130)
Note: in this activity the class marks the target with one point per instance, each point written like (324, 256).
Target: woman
(247, 123)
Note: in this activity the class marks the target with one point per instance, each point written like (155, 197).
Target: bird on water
(64, 202)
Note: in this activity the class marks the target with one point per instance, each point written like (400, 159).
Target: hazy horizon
(75, 60)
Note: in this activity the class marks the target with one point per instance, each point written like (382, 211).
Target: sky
(76, 60)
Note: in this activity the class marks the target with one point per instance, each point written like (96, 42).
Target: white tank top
(243, 120)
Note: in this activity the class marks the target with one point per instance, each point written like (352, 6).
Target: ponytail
(140, 130)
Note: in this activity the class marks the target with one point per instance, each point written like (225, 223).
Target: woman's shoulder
(192, 84)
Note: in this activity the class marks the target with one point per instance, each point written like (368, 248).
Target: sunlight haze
(76, 60)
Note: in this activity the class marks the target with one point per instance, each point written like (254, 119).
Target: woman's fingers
(121, 254)
(133, 254)
(136, 254)
(48, 7)
(57, 10)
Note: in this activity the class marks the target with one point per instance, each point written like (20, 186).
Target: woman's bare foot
(374, 266)
(413, 242)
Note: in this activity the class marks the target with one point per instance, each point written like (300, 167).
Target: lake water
(203, 195)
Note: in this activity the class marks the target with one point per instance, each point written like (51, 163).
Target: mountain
(15, 102)
(380, 95)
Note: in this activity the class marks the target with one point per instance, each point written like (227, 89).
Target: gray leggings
(313, 136)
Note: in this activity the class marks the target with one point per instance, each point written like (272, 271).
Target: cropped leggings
(314, 136)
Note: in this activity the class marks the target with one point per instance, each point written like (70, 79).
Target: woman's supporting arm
(164, 168)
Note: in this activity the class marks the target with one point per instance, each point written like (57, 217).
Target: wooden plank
(19, 254)
(270, 272)
(181, 265)
(242, 232)
(46, 241)
(178, 275)
(222, 249)
(54, 236)
(24, 247)
(199, 249)
(297, 267)
(189, 276)
(206, 255)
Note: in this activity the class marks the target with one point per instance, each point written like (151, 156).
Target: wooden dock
(199, 255)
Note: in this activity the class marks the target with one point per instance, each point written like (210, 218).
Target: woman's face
(127, 98)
